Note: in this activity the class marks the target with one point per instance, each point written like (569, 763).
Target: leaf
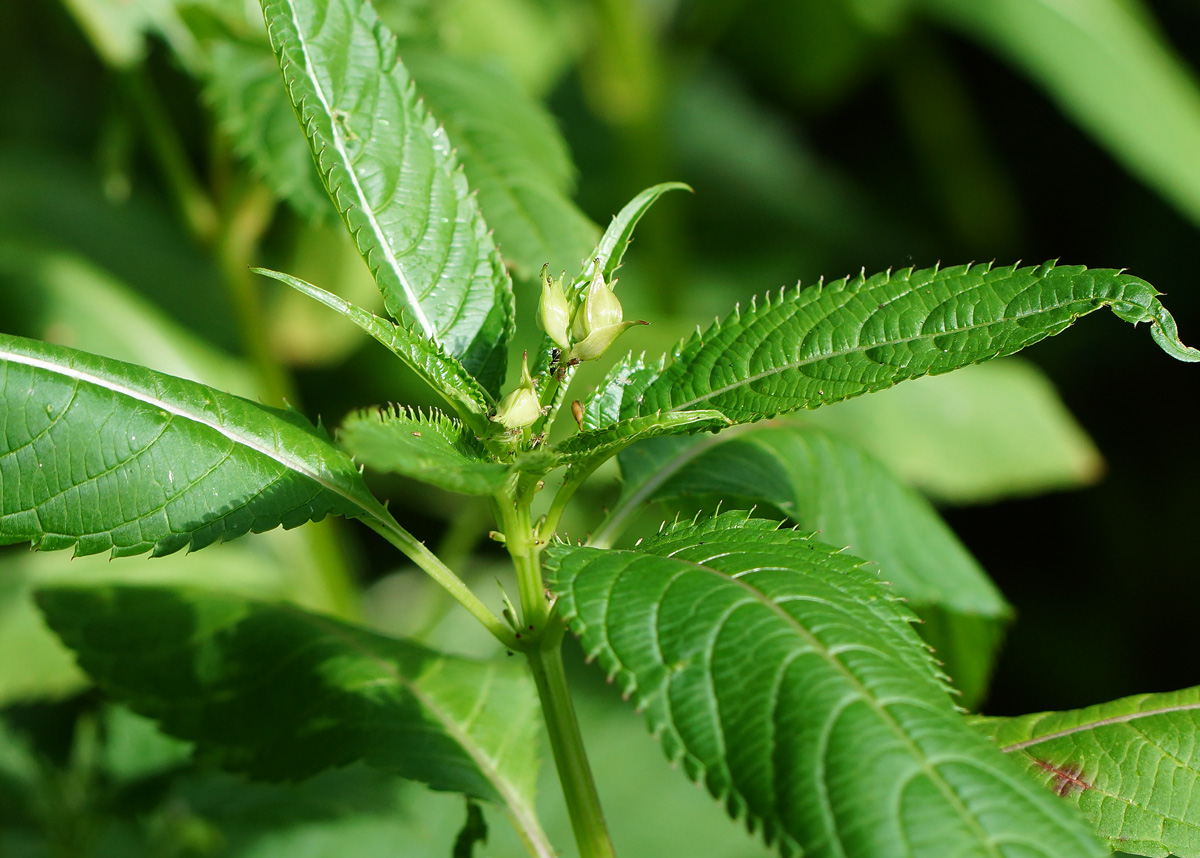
(615, 241)
(282, 694)
(1130, 765)
(787, 679)
(830, 342)
(423, 356)
(992, 430)
(514, 157)
(242, 88)
(394, 179)
(827, 485)
(1106, 67)
(432, 449)
(101, 455)
(609, 441)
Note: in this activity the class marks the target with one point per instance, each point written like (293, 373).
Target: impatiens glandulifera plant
(781, 672)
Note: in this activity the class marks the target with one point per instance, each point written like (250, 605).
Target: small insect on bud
(520, 408)
(554, 311)
(598, 321)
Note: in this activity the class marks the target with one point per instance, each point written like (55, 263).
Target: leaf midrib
(237, 438)
(339, 144)
(1103, 722)
(881, 344)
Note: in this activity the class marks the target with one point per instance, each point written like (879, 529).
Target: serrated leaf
(825, 484)
(423, 356)
(282, 694)
(515, 159)
(242, 88)
(394, 179)
(430, 448)
(101, 455)
(786, 678)
(830, 342)
(612, 439)
(1130, 765)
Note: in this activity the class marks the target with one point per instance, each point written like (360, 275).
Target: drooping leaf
(283, 694)
(1130, 765)
(787, 680)
(394, 178)
(825, 484)
(242, 87)
(515, 158)
(1106, 66)
(993, 430)
(830, 342)
(607, 442)
(430, 448)
(423, 356)
(101, 455)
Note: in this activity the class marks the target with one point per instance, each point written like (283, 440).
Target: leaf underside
(394, 179)
(282, 694)
(101, 455)
(829, 342)
(828, 485)
(787, 679)
(1131, 765)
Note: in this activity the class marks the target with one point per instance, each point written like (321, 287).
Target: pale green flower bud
(600, 309)
(554, 311)
(520, 408)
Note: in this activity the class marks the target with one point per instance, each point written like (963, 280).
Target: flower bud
(597, 342)
(600, 309)
(554, 312)
(520, 408)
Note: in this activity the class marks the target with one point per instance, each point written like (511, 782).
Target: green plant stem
(198, 210)
(415, 550)
(525, 551)
(566, 741)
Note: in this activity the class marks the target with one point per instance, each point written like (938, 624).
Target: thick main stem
(566, 741)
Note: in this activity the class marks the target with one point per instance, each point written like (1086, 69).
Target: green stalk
(566, 741)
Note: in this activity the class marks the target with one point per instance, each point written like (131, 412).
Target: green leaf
(612, 439)
(101, 455)
(1107, 67)
(423, 356)
(825, 484)
(242, 87)
(430, 448)
(1129, 765)
(515, 158)
(830, 342)
(279, 693)
(993, 430)
(394, 178)
(615, 241)
(786, 678)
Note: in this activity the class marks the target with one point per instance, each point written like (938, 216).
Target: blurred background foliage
(147, 157)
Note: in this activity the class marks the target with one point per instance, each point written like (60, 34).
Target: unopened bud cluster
(586, 330)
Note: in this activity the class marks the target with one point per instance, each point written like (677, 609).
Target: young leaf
(515, 159)
(432, 449)
(394, 178)
(827, 485)
(615, 241)
(786, 678)
(101, 455)
(280, 693)
(830, 342)
(611, 440)
(423, 356)
(1129, 765)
